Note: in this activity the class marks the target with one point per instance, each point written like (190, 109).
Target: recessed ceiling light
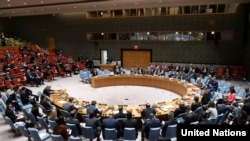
(42, 2)
(58, 8)
(8, 0)
(25, 3)
(75, 7)
(114, 4)
(9, 5)
(13, 12)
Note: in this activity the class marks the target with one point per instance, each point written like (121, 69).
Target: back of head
(93, 102)
(120, 109)
(147, 105)
(129, 115)
(196, 98)
(60, 120)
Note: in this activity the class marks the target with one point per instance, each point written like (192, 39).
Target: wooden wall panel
(136, 58)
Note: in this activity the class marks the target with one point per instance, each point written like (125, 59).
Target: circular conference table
(185, 90)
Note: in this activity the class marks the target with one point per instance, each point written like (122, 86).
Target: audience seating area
(17, 62)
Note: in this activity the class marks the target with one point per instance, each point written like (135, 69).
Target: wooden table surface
(185, 90)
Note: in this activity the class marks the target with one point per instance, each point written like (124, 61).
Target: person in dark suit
(120, 113)
(205, 120)
(92, 108)
(72, 120)
(24, 97)
(110, 122)
(130, 123)
(170, 121)
(47, 90)
(13, 100)
(153, 122)
(95, 123)
(222, 106)
(196, 104)
(9, 112)
(147, 111)
(35, 110)
(120, 116)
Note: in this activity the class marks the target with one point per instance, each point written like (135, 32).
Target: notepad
(62, 101)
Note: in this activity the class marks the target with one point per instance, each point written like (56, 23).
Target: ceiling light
(42, 2)
(114, 4)
(9, 5)
(75, 7)
(58, 8)
(25, 3)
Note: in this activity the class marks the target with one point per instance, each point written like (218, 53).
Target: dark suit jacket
(131, 123)
(165, 126)
(24, 97)
(11, 115)
(110, 123)
(152, 123)
(76, 122)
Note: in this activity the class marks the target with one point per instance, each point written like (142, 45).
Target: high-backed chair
(38, 136)
(56, 137)
(14, 126)
(88, 132)
(43, 123)
(64, 113)
(154, 134)
(72, 138)
(74, 130)
(52, 124)
(171, 131)
(44, 110)
(110, 134)
(129, 134)
(24, 132)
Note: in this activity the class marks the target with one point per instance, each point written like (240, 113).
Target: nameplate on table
(167, 107)
(62, 101)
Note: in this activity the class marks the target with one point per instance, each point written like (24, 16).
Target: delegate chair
(154, 134)
(14, 126)
(56, 137)
(72, 138)
(24, 132)
(64, 113)
(171, 131)
(43, 123)
(88, 132)
(110, 134)
(74, 130)
(38, 136)
(129, 134)
(52, 124)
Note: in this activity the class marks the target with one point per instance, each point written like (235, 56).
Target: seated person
(92, 108)
(120, 113)
(170, 121)
(147, 111)
(47, 90)
(130, 123)
(9, 112)
(72, 120)
(69, 105)
(153, 122)
(110, 122)
(95, 123)
(61, 128)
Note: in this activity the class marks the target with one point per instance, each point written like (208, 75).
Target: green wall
(70, 31)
